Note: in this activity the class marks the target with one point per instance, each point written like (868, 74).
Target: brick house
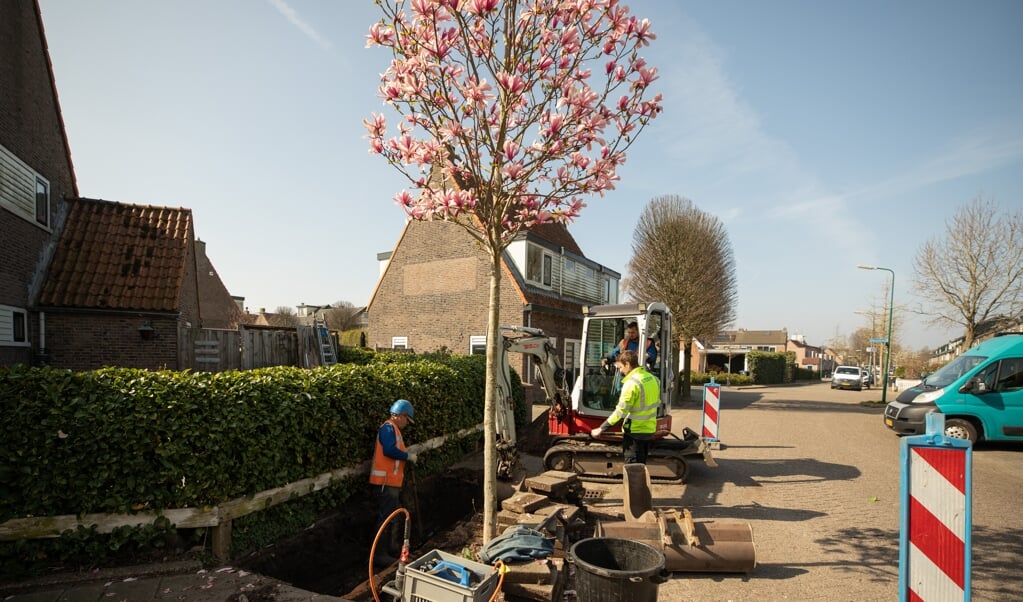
(84, 283)
(36, 175)
(434, 289)
(123, 280)
(818, 359)
(727, 352)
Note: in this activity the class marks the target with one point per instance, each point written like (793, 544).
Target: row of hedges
(123, 440)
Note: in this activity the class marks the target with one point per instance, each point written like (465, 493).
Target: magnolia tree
(510, 113)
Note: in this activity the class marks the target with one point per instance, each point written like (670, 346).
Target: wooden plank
(221, 544)
(190, 518)
(45, 527)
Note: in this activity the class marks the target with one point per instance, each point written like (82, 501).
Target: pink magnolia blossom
(513, 114)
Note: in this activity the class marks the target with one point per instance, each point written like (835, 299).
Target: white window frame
(546, 267)
(19, 189)
(42, 202)
(9, 318)
(476, 342)
(570, 359)
(399, 343)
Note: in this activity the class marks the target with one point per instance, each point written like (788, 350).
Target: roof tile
(119, 256)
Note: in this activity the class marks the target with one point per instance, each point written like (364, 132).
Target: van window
(1010, 375)
(953, 370)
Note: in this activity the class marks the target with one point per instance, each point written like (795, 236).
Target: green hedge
(121, 440)
(721, 378)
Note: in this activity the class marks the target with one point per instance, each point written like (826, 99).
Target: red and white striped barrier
(934, 543)
(711, 411)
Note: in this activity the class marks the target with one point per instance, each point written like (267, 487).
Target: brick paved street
(817, 475)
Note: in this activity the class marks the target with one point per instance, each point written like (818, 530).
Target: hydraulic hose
(402, 559)
(501, 570)
(499, 566)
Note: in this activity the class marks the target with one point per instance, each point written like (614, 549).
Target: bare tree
(975, 273)
(682, 257)
(285, 316)
(341, 316)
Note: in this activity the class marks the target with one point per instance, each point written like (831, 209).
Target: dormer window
(539, 266)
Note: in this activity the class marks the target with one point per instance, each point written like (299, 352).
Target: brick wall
(188, 298)
(31, 128)
(436, 291)
(86, 341)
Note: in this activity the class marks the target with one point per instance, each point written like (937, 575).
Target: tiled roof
(557, 234)
(117, 256)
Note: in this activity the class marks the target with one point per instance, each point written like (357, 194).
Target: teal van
(980, 392)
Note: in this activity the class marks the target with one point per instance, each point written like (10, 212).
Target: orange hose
(498, 566)
(501, 570)
(373, 548)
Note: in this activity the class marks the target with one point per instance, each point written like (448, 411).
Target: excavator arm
(534, 343)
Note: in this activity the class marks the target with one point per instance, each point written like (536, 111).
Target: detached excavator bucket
(688, 546)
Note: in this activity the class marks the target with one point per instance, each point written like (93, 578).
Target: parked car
(847, 377)
(980, 393)
(867, 377)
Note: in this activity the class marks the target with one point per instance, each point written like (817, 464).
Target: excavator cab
(596, 390)
(595, 395)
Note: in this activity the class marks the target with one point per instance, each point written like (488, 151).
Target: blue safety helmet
(403, 406)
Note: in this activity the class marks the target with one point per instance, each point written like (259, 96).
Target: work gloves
(596, 432)
(412, 457)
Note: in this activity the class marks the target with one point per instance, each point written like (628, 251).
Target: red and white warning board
(711, 411)
(934, 543)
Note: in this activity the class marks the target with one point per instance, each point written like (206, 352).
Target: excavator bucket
(688, 546)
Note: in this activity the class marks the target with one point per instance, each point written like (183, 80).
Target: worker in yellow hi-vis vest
(636, 409)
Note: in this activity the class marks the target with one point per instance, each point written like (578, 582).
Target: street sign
(878, 340)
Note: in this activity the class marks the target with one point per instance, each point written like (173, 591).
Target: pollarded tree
(975, 274)
(682, 256)
(511, 112)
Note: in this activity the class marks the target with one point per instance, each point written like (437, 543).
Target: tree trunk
(686, 372)
(490, 405)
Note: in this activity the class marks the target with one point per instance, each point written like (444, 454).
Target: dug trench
(332, 555)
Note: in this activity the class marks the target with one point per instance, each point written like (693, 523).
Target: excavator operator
(631, 343)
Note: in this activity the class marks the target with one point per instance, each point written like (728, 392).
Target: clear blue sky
(823, 134)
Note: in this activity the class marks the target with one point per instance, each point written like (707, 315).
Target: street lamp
(888, 341)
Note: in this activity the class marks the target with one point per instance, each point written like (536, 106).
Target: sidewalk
(169, 581)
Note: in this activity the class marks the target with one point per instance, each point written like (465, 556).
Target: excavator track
(602, 462)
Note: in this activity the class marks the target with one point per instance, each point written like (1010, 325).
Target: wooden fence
(215, 350)
(218, 517)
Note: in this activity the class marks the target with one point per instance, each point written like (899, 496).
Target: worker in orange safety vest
(388, 469)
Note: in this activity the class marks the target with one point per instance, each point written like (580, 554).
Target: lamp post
(888, 341)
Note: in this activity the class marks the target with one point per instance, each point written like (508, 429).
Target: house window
(571, 365)
(539, 266)
(399, 342)
(23, 191)
(42, 202)
(477, 345)
(13, 326)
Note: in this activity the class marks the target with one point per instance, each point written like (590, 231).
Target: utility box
(442, 577)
